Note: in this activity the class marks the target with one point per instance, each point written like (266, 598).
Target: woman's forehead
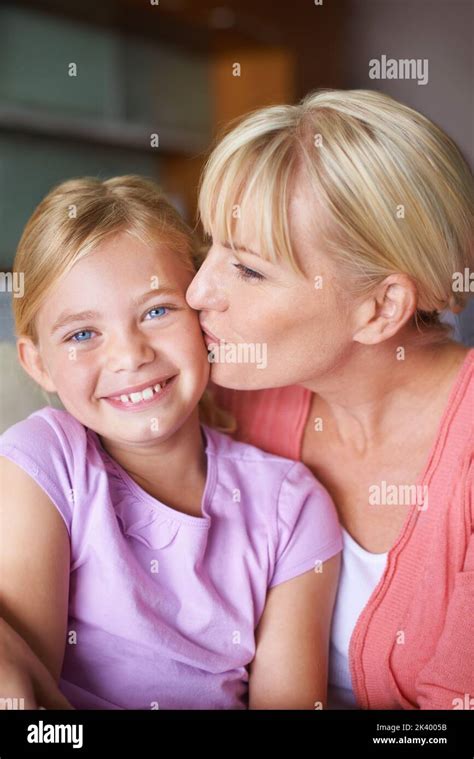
(281, 225)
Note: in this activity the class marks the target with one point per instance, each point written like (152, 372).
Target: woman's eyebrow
(241, 248)
(66, 317)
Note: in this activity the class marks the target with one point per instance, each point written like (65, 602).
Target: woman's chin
(239, 377)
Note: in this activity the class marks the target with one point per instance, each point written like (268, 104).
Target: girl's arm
(34, 580)
(290, 667)
(23, 675)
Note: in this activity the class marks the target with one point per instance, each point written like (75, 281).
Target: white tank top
(360, 574)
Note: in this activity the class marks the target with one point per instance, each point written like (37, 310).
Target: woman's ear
(386, 310)
(31, 361)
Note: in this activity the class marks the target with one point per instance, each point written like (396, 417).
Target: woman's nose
(206, 291)
(128, 351)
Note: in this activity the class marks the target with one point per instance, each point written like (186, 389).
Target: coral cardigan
(413, 644)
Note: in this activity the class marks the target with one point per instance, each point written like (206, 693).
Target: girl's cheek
(71, 367)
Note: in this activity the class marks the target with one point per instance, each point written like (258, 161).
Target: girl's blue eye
(77, 334)
(247, 273)
(158, 308)
(81, 336)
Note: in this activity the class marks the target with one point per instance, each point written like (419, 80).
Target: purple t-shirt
(163, 606)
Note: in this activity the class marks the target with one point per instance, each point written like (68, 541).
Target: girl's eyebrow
(66, 317)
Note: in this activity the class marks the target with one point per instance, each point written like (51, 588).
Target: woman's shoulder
(449, 470)
(458, 426)
(272, 419)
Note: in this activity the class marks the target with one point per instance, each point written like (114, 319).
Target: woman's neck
(374, 392)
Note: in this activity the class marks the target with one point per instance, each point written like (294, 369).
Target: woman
(341, 227)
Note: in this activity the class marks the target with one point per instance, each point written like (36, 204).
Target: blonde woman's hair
(396, 192)
(73, 219)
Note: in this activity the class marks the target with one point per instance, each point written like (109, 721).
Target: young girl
(148, 560)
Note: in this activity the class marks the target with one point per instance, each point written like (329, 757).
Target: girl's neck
(173, 470)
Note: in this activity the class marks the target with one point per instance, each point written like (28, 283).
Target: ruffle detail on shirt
(146, 524)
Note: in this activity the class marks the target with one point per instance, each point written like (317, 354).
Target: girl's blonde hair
(73, 219)
(396, 192)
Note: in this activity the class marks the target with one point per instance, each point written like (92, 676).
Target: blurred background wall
(145, 68)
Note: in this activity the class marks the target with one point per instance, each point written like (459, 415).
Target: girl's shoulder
(46, 430)
(50, 445)
(242, 458)
(272, 419)
(266, 478)
(284, 505)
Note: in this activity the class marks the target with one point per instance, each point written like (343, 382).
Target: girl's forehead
(118, 273)
(127, 254)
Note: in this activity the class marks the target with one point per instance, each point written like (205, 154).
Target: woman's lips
(210, 338)
(158, 397)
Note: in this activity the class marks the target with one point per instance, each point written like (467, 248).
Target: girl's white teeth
(143, 395)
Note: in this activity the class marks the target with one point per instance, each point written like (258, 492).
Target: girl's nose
(129, 351)
(207, 290)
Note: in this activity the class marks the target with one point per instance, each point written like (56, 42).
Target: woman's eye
(247, 273)
(80, 336)
(162, 309)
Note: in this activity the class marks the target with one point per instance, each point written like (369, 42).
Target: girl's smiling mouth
(141, 396)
